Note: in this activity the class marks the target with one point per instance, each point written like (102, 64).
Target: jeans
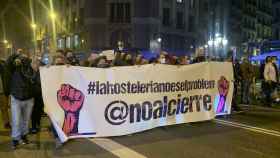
(245, 97)
(21, 114)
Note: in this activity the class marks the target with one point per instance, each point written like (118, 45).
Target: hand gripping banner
(95, 102)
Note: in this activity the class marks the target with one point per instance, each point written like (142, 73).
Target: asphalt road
(254, 133)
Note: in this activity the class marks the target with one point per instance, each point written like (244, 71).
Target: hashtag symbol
(91, 87)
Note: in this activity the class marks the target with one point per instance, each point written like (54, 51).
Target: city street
(254, 133)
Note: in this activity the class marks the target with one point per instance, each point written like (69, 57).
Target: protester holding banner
(59, 60)
(128, 60)
(102, 62)
(184, 60)
(38, 100)
(138, 59)
(119, 59)
(71, 58)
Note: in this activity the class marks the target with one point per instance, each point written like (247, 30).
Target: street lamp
(33, 26)
(211, 42)
(53, 15)
(225, 41)
(219, 41)
(159, 40)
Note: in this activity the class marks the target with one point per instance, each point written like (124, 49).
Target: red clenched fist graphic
(71, 101)
(223, 87)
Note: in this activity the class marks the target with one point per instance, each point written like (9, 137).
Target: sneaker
(15, 144)
(24, 139)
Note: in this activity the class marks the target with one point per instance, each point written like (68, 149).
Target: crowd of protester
(121, 59)
(20, 83)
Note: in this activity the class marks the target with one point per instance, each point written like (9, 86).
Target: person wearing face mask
(71, 59)
(128, 60)
(138, 59)
(162, 59)
(184, 60)
(21, 77)
(38, 100)
(59, 60)
(102, 62)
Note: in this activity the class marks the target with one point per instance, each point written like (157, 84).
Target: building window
(179, 23)
(191, 4)
(82, 21)
(191, 24)
(76, 41)
(120, 13)
(127, 12)
(112, 12)
(68, 42)
(166, 17)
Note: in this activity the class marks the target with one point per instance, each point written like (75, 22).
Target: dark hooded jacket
(20, 78)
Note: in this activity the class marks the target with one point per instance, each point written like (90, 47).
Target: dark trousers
(269, 89)
(234, 103)
(37, 112)
(245, 88)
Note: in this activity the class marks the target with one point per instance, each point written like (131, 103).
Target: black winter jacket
(20, 78)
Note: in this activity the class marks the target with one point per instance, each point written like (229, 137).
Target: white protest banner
(95, 102)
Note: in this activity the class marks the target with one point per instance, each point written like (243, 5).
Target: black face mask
(71, 58)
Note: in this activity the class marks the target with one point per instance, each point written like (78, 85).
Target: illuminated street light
(216, 43)
(33, 26)
(225, 42)
(9, 46)
(217, 34)
(53, 15)
(219, 40)
(159, 40)
(210, 42)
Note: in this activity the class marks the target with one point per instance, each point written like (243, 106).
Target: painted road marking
(248, 127)
(116, 148)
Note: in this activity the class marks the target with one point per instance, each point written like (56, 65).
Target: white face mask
(162, 61)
